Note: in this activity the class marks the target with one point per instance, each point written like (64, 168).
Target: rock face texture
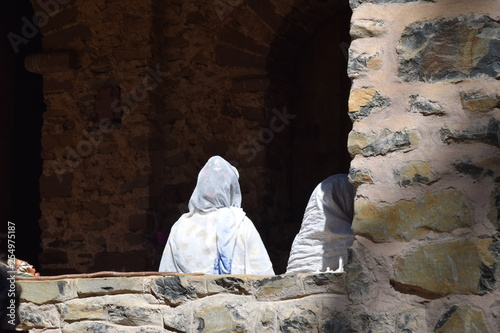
(426, 212)
(187, 303)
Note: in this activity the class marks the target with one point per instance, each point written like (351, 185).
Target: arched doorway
(314, 94)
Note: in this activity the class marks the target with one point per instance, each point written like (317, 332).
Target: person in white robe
(215, 236)
(325, 233)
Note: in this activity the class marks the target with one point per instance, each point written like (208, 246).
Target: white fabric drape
(325, 233)
(215, 237)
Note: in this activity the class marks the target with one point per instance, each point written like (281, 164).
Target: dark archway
(21, 123)
(309, 83)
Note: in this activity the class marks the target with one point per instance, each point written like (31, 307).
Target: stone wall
(425, 109)
(186, 303)
(140, 94)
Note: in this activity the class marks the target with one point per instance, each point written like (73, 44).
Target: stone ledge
(124, 302)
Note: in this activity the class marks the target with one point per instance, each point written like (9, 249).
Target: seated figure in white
(326, 233)
(215, 236)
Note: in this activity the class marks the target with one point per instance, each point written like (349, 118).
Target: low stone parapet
(156, 302)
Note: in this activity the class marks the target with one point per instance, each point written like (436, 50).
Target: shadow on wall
(308, 71)
(20, 129)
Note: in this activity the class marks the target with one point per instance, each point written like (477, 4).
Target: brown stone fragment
(452, 267)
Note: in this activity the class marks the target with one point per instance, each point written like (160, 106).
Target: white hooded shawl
(215, 237)
(325, 233)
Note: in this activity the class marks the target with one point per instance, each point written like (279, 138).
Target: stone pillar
(424, 105)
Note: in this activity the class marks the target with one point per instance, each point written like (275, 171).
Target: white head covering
(215, 236)
(325, 233)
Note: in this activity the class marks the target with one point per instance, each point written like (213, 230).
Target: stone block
(382, 143)
(450, 267)
(277, 287)
(225, 314)
(450, 49)
(361, 63)
(439, 210)
(363, 28)
(106, 327)
(477, 132)
(172, 290)
(91, 308)
(363, 101)
(479, 102)
(356, 3)
(425, 106)
(462, 319)
(298, 315)
(233, 284)
(324, 283)
(358, 177)
(97, 208)
(415, 172)
(134, 314)
(40, 292)
(411, 321)
(53, 62)
(32, 316)
(109, 286)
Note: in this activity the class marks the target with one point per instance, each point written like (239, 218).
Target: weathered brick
(441, 211)
(133, 261)
(251, 83)
(140, 222)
